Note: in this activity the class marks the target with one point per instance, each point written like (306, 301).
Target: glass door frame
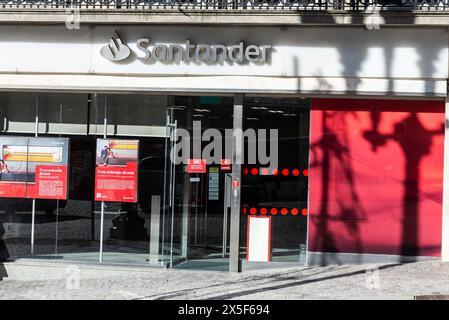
(169, 259)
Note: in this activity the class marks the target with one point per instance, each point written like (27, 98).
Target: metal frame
(174, 127)
(235, 263)
(445, 211)
(226, 206)
(33, 204)
(105, 135)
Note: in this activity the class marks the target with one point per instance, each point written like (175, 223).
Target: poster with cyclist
(116, 170)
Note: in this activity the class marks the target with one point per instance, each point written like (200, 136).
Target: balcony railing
(282, 5)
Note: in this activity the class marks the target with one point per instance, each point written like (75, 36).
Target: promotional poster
(196, 166)
(34, 168)
(116, 170)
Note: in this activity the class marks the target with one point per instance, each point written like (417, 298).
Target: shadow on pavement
(4, 254)
(3, 273)
(294, 284)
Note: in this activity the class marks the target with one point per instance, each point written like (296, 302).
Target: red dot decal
(275, 172)
(245, 171)
(252, 210)
(304, 212)
(295, 172)
(243, 210)
(285, 172)
(294, 211)
(284, 211)
(264, 171)
(274, 211)
(263, 211)
(254, 171)
(305, 172)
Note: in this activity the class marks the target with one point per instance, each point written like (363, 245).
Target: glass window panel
(198, 211)
(127, 225)
(18, 114)
(286, 192)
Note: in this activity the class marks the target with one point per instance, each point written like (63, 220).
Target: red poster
(225, 164)
(34, 168)
(51, 183)
(196, 166)
(13, 189)
(116, 170)
(376, 177)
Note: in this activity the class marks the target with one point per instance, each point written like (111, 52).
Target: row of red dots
(275, 172)
(275, 211)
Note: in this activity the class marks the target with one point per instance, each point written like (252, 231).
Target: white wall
(305, 59)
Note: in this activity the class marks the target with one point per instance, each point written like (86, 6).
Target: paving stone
(332, 282)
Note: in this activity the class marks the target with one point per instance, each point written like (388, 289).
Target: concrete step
(42, 270)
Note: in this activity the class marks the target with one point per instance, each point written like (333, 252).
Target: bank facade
(360, 116)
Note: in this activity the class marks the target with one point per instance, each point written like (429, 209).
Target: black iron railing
(320, 5)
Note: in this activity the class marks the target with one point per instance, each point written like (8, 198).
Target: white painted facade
(390, 63)
(394, 61)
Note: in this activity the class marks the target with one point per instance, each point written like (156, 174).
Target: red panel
(376, 176)
(196, 166)
(51, 183)
(13, 189)
(117, 184)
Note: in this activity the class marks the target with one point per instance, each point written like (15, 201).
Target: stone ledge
(226, 17)
(34, 269)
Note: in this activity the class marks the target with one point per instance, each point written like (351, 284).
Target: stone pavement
(42, 280)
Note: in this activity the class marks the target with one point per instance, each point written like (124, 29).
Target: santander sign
(188, 52)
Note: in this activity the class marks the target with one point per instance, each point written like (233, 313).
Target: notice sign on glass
(196, 166)
(116, 170)
(34, 168)
(214, 183)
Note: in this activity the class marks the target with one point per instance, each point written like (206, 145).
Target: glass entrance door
(199, 156)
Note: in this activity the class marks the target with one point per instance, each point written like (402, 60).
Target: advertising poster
(116, 170)
(196, 166)
(34, 168)
(225, 164)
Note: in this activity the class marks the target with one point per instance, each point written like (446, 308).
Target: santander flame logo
(116, 50)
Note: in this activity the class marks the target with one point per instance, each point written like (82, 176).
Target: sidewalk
(43, 280)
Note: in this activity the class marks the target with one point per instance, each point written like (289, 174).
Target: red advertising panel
(116, 170)
(225, 164)
(376, 176)
(196, 166)
(51, 183)
(34, 168)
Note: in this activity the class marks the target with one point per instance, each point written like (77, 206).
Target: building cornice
(228, 17)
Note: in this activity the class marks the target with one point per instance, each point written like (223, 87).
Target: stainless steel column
(154, 229)
(186, 203)
(226, 205)
(33, 205)
(105, 135)
(237, 152)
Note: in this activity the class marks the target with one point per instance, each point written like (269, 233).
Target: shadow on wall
(334, 153)
(376, 178)
(415, 142)
(369, 190)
